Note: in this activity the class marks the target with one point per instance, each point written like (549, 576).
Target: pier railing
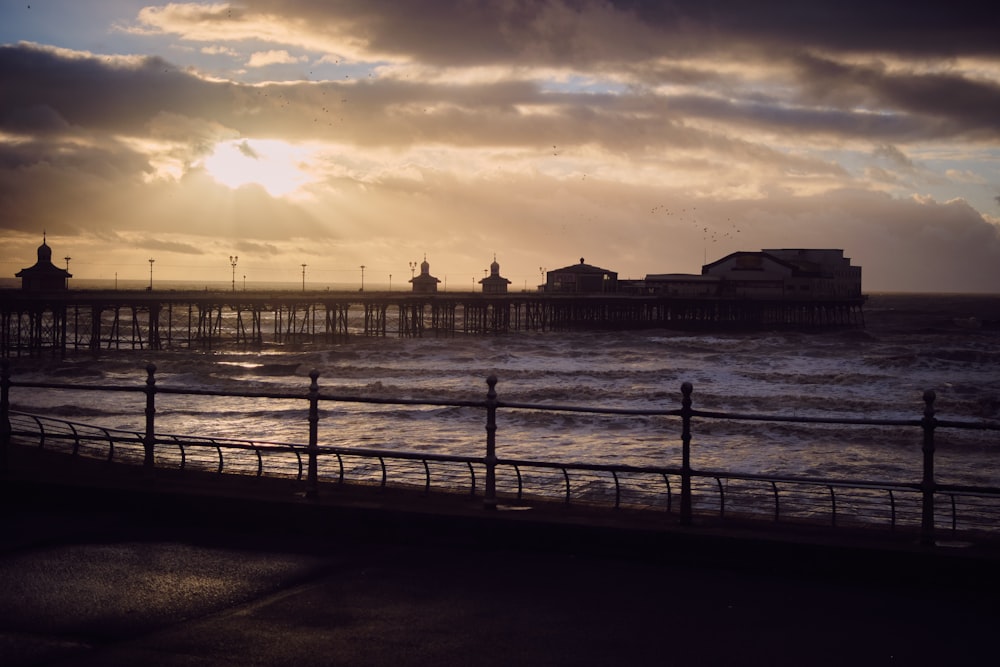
(683, 490)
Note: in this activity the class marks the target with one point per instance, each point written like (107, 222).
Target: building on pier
(581, 278)
(425, 283)
(494, 283)
(821, 271)
(796, 273)
(677, 285)
(44, 275)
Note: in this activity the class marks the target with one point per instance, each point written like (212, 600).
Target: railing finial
(928, 485)
(149, 439)
(5, 429)
(490, 460)
(686, 505)
(312, 474)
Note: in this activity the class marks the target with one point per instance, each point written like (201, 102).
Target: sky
(644, 136)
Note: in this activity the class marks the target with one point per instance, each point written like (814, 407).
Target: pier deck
(94, 321)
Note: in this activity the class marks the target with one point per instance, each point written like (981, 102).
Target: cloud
(218, 50)
(247, 151)
(279, 57)
(581, 32)
(463, 128)
(894, 156)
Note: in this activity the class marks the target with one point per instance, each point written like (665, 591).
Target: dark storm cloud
(43, 91)
(959, 103)
(667, 43)
(46, 92)
(49, 183)
(910, 28)
(581, 32)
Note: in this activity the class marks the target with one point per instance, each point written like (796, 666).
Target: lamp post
(151, 260)
(413, 268)
(303, 277)
(67, 262)
(362, 277)
(232, 263)
(390, 282)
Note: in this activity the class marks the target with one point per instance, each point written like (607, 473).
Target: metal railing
(924, 504)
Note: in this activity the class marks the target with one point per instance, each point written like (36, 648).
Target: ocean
(911, 343)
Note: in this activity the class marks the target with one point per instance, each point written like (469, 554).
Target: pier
(60, 322)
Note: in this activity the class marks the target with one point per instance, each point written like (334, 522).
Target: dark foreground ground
(154, 573)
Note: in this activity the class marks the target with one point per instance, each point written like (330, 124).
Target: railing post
(686, 390)
(5, 429)
(148, 441)
(312, 476)
(490, 498)
(928, 485)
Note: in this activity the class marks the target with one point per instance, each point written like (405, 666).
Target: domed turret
(44, 275)
(425, 283)
(494, 283)
(44, 252)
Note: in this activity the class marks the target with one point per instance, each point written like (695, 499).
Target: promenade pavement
(159, 574)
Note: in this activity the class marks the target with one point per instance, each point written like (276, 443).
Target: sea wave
(911, 345)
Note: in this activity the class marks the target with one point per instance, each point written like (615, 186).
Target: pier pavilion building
(581, 278)
(425, 283)
(791, 273)
(494, 283)
(44, 275)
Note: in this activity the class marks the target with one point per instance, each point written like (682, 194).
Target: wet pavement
(131, 579)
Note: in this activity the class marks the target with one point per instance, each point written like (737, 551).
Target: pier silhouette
(78, 320)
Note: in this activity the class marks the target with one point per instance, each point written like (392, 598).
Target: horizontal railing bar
(342, 398)
(593, 467)
(103, 434)
(974, 426)
(650, 412)
(735, 416)
(78, 387)
(817, 481)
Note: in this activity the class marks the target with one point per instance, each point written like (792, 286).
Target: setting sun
(276, 166)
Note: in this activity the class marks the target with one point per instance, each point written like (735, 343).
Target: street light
(303, 277)
(151, 260)
(232, 262)
(390, 282)
(413, 268)
(362, 277)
